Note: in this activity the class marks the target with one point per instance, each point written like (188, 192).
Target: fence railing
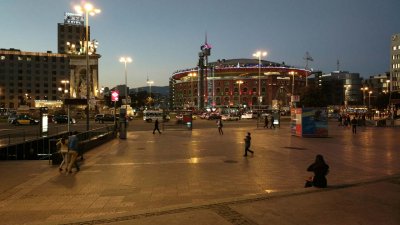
(25, 146)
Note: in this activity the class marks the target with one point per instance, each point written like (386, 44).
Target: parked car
(104, 117)
(249, 115)
(25, 120)
(230, 117)
(63, 119)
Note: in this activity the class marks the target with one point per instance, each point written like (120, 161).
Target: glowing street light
(126, 60)
(292, 73)
(369, 99)
(363, 89)
(150, 82)
(240, 91)
(258, 55)
(88, 9)
(191, 75)
(387, 85)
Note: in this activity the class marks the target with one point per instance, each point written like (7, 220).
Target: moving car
(25, 120)
(63, 119)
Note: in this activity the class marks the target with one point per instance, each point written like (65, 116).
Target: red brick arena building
(238, 83)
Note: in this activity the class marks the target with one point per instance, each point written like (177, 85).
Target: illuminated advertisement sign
(73, 18)
(45, 123)
(114, 96)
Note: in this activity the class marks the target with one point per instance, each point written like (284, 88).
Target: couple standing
(69, 151)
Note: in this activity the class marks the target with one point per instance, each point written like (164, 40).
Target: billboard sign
(73, 18)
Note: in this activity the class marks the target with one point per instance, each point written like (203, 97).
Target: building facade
(238, 83)
(29, 76)
(343, 88)
(395, 63)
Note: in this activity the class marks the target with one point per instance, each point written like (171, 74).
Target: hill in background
(163, 90)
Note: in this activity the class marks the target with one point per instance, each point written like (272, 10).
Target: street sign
(295, 98)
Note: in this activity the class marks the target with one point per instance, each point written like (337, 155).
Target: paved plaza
(201, 177)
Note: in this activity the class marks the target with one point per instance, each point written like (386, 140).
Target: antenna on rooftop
(338, 65)
(307, 57)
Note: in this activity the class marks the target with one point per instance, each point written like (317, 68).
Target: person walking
(73, 145)
(272, 122)
(247, 143)
(266, 121)
(220, 125)
(64, 153)
(156, 127)
(354, 125)
(320, 169)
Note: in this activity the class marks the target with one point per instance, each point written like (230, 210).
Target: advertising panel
(315, 122)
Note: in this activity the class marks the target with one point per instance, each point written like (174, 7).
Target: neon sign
(73, 18)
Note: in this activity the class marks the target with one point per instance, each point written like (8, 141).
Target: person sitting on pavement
(320, 169)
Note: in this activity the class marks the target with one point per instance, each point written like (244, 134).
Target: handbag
(309, 182)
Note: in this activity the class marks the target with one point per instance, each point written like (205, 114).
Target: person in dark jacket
(354, 123)
(247, 143)
(320, 169)
(156, 127)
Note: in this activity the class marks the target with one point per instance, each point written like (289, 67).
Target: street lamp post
(240, 91)
(150, 82)
(292, 73)
(369, 99)
(363, 89)
(126, 60)
(89, 10)
(191, 75)
(387, 85)
(65, 82)
(259, 54)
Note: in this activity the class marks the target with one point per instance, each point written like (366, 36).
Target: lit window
(3, 57)
(20, 58)
(394, 48)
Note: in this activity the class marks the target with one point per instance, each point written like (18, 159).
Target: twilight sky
(163, 36)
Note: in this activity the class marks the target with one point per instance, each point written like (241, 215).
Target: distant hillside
(164, 90)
